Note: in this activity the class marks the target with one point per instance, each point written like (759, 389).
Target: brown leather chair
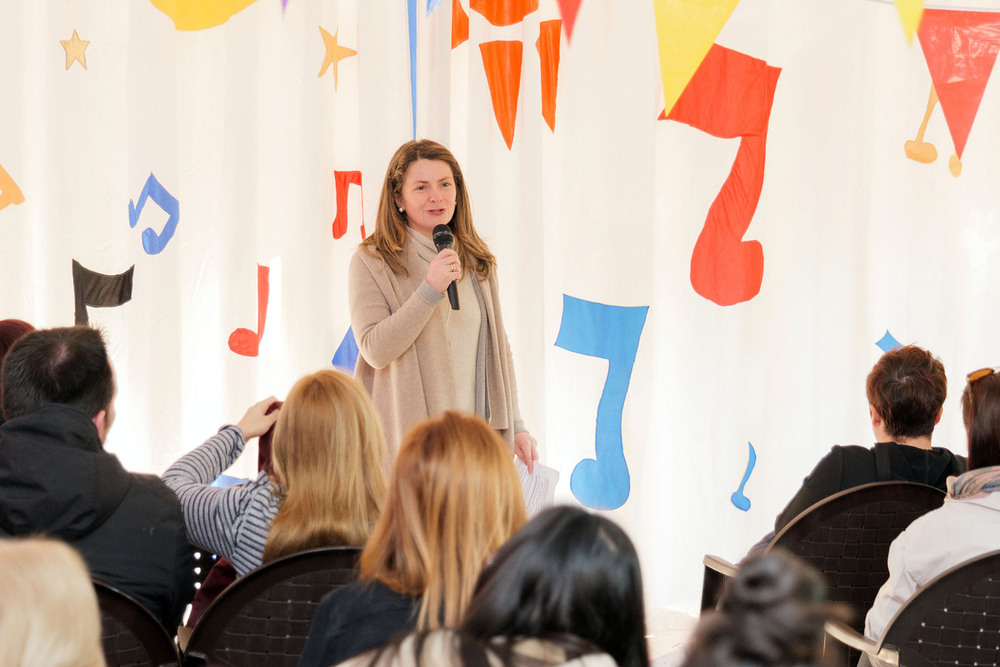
(130, 634)
(264, 617)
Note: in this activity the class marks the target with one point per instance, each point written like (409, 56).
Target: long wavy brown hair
(390, 232)
(454, 499)
(328, 458)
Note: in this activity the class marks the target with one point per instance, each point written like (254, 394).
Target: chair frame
(147, 630)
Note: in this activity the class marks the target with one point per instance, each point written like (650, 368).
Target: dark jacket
(56, 479)
(846, 467)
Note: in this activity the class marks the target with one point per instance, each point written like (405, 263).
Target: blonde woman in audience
(454, 499)
(329, 485)
(48, 608)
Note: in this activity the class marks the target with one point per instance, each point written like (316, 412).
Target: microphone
(443, 238)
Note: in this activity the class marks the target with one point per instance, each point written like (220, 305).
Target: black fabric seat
(264, 617)
(130, 634)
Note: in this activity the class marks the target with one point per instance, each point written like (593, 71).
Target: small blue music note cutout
(152, 242)
(888, 343)
(740, 500)
(612, 333)
(346, 356)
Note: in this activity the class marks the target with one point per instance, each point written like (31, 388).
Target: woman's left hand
(526, 449)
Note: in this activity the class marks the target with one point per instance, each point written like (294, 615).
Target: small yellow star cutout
(334, 54)
(76, 49)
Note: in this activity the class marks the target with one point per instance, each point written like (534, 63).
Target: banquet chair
(264, 617)
(130, 634)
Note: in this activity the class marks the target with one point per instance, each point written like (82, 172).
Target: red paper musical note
(343, 181)
(730, 96)
(247, 342)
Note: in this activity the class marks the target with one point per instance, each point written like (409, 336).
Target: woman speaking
(419, 354)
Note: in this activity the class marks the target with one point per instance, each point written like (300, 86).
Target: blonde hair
(328, 457)
(390, 232)
(454, 499)
(48, 608)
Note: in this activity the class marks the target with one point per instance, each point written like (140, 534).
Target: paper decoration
(910, 12)
(548, 55)
(76, 50)
(99, 290)
(411, 23)
(153, 243)
(568, 10)
(432, 5)
(246, 342)
(200, 14)
(739, 500)
(730, 96)
(343, 181)
(346, 356)
(887, 342)
(334, 54)
(504, 12)
(502, 64)
(459, 24)
(10, 193)
(686, 30)
(612, 333)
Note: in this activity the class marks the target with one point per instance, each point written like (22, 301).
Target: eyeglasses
(980, 374)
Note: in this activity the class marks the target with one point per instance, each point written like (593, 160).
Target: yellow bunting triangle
(200, 14)
(686, 30)
(910, 13)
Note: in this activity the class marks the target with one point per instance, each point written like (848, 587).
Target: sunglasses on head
(980, 374)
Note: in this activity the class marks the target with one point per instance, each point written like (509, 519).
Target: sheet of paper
(539, 487)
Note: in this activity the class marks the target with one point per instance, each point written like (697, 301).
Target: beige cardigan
(404, 362)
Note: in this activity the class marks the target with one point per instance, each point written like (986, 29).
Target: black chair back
(264, 617)
(130, 634)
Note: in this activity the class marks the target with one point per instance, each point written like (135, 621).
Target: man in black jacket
(906, 391)
(57, 391)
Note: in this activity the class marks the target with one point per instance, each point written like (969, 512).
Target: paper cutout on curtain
(200, 14)
(344, 180)
(10, 193)
(334, 54)
(685, 31)
(459, 24)
(432, 5)
(284, 6)
(76, 50)
(411, 22)
(887, 342)
(917, 149)
(568, 10)
(548, 54)
(910, 12)
(152, 242)
(730, 96)
(244, 341)
(738, 499)
(612, 333)
(346, 356)
(99, 290)
(960, 48)
(504, 12)
(502, 64)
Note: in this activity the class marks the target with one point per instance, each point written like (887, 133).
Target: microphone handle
(453, 295)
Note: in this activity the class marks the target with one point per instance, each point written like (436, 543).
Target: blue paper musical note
(612, 333)
(740, 500)
(152, 242)
(346, 356)
(887, 342)
(432, 5)
(411, 22)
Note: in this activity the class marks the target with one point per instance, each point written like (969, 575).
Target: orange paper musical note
(459, 24)
(244, 341)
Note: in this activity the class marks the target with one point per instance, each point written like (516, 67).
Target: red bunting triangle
(568, 10)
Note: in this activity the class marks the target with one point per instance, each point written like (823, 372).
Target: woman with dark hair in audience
(967, 525)
(566, 589)
(454, 499)
(328, 486)
(10, 331)
(771, 615)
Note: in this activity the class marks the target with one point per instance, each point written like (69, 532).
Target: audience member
(328, 487)
(48, 609)
(771, 615)
(10, 331)
(906, 391)
(967, 525)
(57, 390)
(566, 589)
(454, 499)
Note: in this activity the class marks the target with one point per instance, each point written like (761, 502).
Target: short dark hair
(907, 388)
(567, 572)
(64, 365)
(981, 414)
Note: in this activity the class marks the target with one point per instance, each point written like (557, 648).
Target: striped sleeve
(233, 521)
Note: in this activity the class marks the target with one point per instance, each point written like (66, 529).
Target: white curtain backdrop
(234, 123)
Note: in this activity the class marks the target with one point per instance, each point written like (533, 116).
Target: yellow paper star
(76, 49)
(334, 54)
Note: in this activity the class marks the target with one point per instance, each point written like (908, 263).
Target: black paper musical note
(99, 290)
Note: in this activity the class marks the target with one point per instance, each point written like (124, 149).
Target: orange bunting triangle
(459, 24)
(502, 64)
(504, 12)
(548, 53)
(9, 192)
